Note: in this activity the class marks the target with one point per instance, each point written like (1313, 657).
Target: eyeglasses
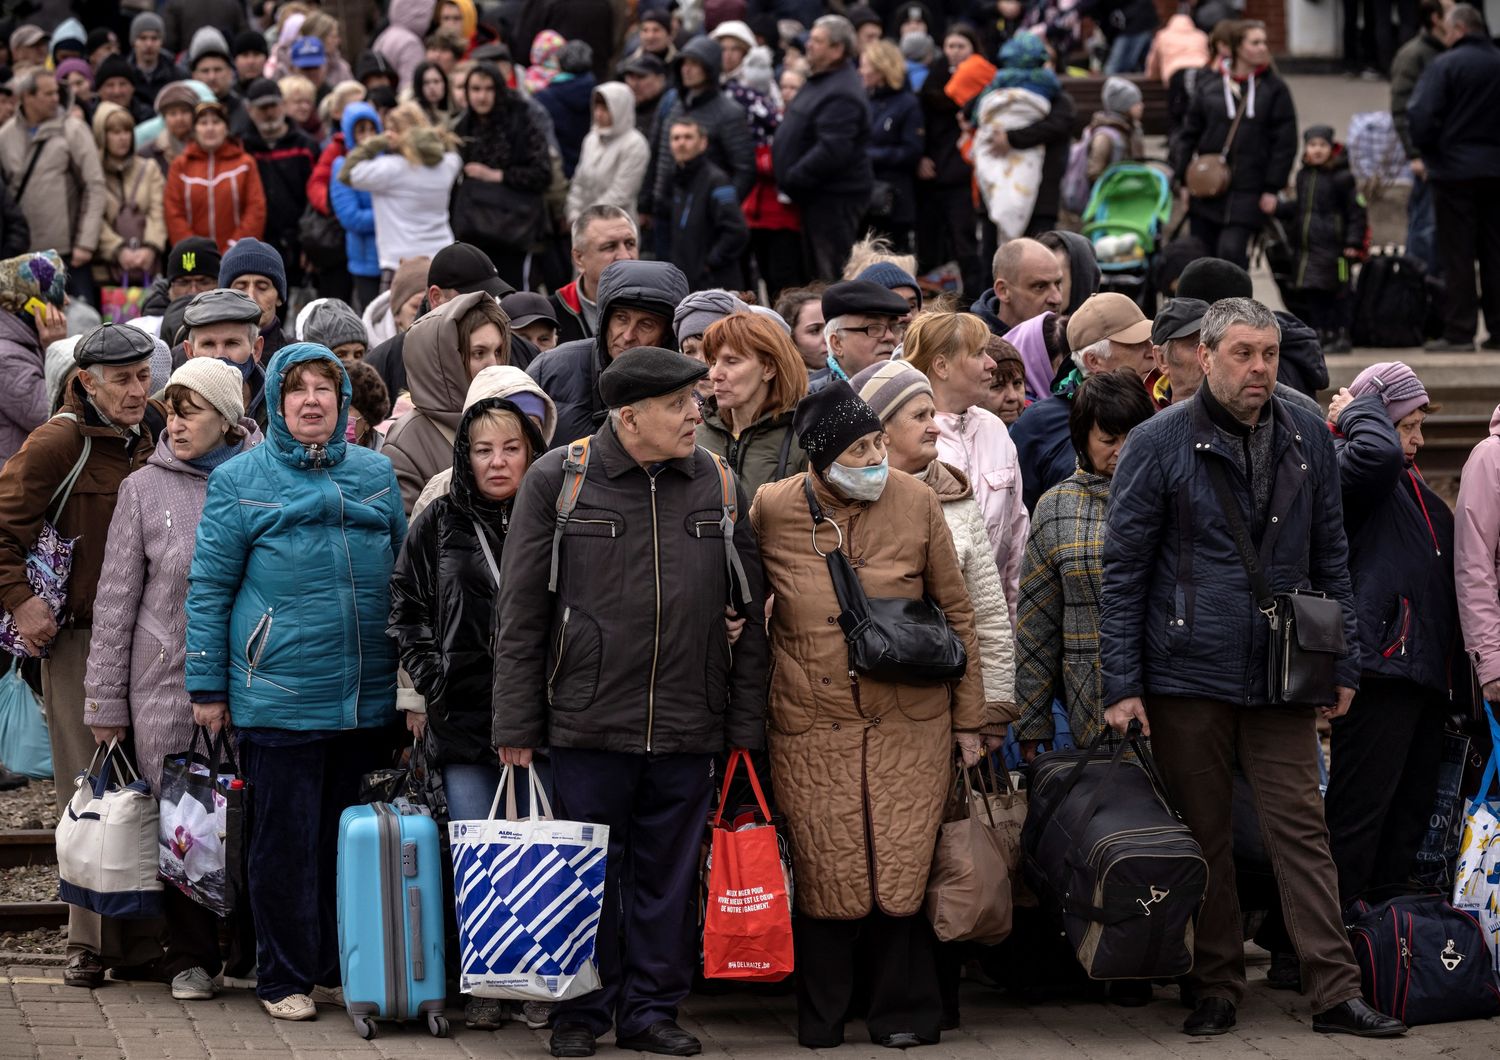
(875, 331)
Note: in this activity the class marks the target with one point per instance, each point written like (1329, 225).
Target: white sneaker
(292, 1007)
(328, 995)
(195, 984)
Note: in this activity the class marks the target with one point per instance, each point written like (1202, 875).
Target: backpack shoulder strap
(729, 508)
(575, 470)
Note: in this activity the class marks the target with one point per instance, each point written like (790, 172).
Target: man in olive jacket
(613, 651)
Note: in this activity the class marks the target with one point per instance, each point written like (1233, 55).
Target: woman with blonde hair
(407, 170)
(758, 377)
(896, 139)
(325, 27)
(301, 97)
(949, 348)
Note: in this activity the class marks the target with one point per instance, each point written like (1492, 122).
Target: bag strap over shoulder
(65, 487)
(1234, 126)
(575, 470)
(1264, 599)
(729, 507)
(854, 605)
(36, 154)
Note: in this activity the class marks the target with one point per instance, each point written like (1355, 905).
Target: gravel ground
(29, 807)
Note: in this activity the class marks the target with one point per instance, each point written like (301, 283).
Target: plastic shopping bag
(24, 747)
(747, 928)
(106, 841)
(529, 894)
(201, 835)
(1476, 878)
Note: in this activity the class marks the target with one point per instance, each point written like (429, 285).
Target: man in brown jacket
(106, 429)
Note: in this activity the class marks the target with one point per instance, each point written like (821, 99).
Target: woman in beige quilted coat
(860, 766)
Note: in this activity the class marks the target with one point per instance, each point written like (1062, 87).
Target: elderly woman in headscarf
(545, 65)
(36, 281)
(1041, 353)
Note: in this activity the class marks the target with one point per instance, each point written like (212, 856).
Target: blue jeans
(1421, 227)
(471, 789)
(1127, 55)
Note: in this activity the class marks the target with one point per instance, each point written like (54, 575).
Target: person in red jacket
(213, 187)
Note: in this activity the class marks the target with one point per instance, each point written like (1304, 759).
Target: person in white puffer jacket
(612, 163)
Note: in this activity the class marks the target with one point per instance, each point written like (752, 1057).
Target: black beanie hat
(1213, 279)
(831, 420)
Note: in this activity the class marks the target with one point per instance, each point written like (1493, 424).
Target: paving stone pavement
(42, 1019)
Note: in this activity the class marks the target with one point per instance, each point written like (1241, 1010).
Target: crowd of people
(311, 359)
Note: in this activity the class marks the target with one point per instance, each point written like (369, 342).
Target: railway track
(20, 848)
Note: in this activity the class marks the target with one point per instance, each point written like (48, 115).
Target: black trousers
(656, 807)
(1230, 242)
(830, 225)
(887, 960)
(1386, 753)
(1373, 44)
(947, 230)
(1468, 230)
(778, 259)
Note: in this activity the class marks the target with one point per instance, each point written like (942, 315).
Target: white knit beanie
(219, 382)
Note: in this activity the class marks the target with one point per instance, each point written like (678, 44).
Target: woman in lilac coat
(135, 680)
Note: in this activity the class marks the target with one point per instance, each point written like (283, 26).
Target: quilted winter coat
(138, 653)
(290, 584)
(860, 766)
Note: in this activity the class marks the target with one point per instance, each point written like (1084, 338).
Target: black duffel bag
(1102, 845)
(1423, 961)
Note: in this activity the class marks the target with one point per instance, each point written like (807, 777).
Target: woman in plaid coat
(1062, 571)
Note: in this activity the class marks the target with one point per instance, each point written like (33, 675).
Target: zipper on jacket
(562, 640)
(593, 522)
(359, 647)
(169, 518)
(263, 627)
(656, 635)
(1307, 212)
(1400, 642)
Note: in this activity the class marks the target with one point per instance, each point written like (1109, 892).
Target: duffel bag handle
(1132, 740)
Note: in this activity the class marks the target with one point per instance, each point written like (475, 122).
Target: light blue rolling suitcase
(390, 913)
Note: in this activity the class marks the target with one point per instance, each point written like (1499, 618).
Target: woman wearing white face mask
(860, 765)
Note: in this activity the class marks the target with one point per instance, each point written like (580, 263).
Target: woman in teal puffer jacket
(286, 639)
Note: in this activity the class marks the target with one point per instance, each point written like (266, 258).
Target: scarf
(1029, 339)
(214, 457)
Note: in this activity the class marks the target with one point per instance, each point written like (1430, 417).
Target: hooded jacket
(1400, 555)
(613, 162)
(401, 42)
(354, 208)
(420, 444)
(1264, 149)
(138, 182)
(570, 373)
(137, 654)
(821, 146)
(64, 200)
(31, 477)
(290, 583)
(1301, 365)
(410, 199)
(496, 381)
(1083, 269)
(1476, 546)
(219, 196)
(977, 444)
(444, 599)
(1327, 215)
(730, 146)
(24, 405)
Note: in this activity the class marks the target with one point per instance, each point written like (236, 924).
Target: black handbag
(1307, 628)
(489, 212)
(894, 639)
(321, 237)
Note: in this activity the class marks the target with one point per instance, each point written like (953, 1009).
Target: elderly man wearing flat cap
(863, 324)
(225, 325)
(67, 473)
(613, 651)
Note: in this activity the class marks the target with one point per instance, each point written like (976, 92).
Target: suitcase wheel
(364, 1027)
(438, 1025)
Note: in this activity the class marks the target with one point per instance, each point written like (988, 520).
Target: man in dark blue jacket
(819, 154)
(1454, 120)
(1181, 636)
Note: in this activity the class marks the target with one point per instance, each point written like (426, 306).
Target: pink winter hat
(1398, 386)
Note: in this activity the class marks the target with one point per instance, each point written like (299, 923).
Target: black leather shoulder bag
(893, 639)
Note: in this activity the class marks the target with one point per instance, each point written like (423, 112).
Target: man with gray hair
(1184, 647)
(1453, 117)
(68, 474)
(819, 154)
(602, 235)
(632, 745)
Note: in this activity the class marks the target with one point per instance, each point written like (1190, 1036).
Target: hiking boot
(195, 984)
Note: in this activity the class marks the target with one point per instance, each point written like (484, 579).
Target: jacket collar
(1220, 417)
(616, 461)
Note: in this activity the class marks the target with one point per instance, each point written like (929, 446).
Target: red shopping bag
(747, 929)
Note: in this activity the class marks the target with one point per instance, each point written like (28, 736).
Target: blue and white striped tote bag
(528, 894)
